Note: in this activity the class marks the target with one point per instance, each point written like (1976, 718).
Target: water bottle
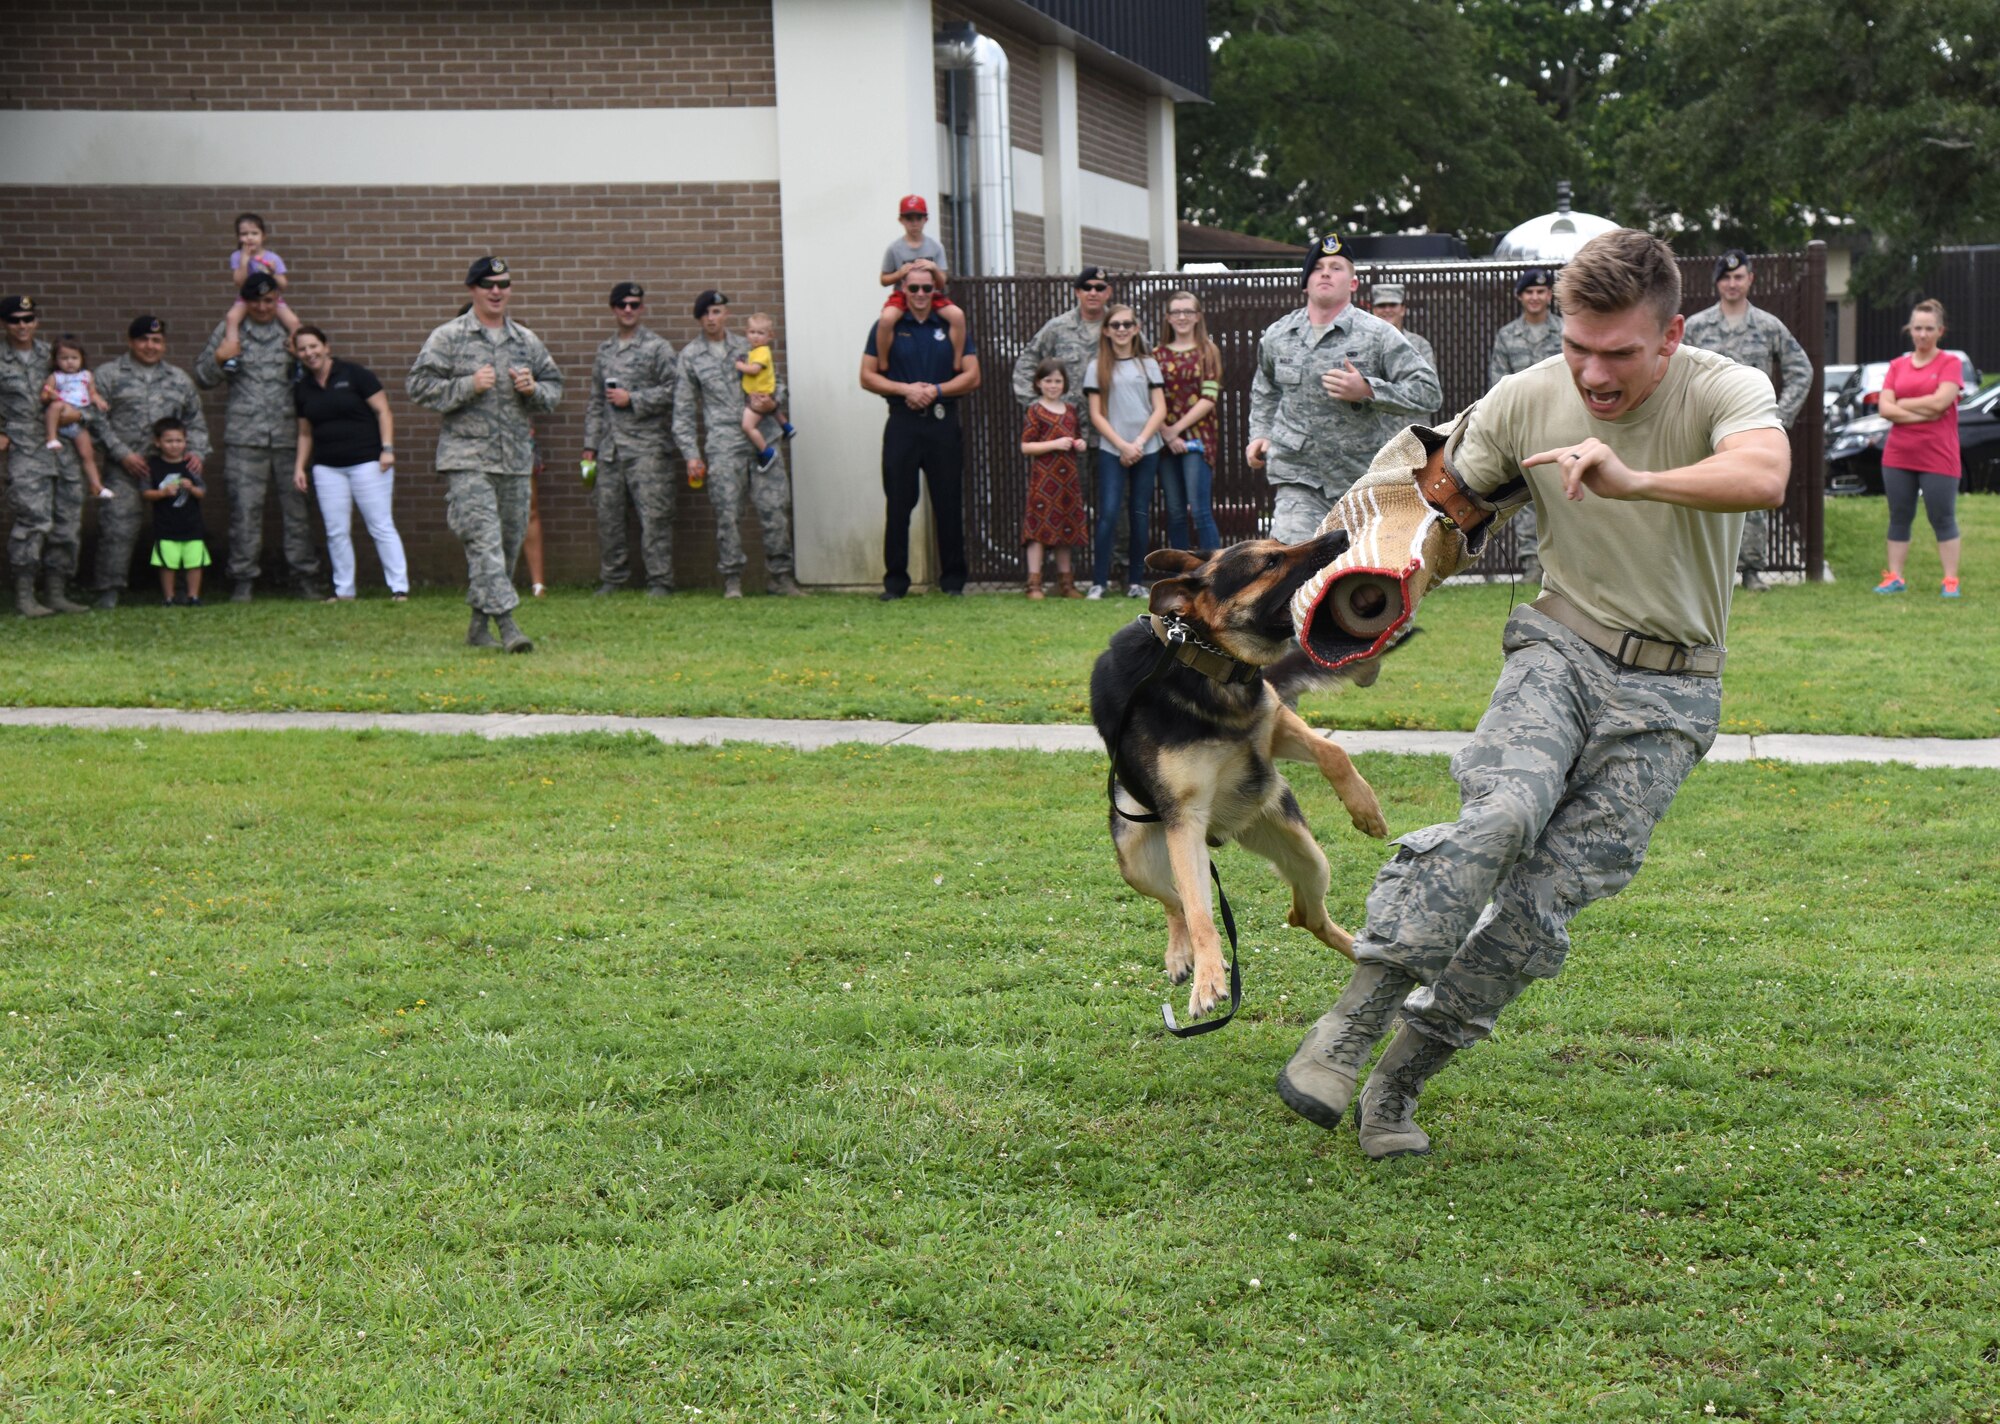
(588, 469)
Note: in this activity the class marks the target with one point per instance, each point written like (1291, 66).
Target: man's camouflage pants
(489, 514)
(734, 482)
(645, 478)
(251, 473)
(1297, 511)
(120, 521)
(45, 498)
(1573, 764)
(1755, 554)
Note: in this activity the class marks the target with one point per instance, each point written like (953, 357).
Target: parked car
(1869, 388)
(1854, 455)
(1838, 386)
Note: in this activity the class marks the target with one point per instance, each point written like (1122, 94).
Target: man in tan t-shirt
(1642, 455)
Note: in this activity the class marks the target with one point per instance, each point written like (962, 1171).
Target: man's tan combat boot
(1386, 1120)
(24, 599)
(57, 600)
(511, 636)
(1318, 1082)
(479, 635)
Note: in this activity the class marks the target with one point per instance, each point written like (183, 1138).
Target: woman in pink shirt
(1920, 402)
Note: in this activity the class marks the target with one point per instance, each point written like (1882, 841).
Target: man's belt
(1630, 649)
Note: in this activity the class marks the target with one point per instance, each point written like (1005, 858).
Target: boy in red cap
(915, 249)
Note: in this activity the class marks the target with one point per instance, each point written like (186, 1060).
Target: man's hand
(619, 396)
(135, 465)
(193, 464)
(697, 470)
(483, 378)
(1256, 452)
(299, 481)
(1591, 466)
(523, 379)
(1347, 384)
(918, 395)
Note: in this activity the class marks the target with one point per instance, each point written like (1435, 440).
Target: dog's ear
(1174, 561)
(1175, 595)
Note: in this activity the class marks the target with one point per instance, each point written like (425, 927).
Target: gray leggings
(1940, 502)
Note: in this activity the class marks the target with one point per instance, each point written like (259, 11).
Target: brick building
(754, 145)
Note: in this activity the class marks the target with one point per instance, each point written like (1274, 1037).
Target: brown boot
(1066, 587)
(1035, 586)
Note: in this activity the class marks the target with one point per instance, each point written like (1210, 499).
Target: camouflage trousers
(1574, 763)
(1755, 552)
(120, 521)
(646, 479)
(489, 514)
(45, 499)
(732, 483)
(1296, 512)
(251, 474)
(1527, 539)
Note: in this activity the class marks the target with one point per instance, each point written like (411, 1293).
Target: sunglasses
(21, 320)
(628, 306)
(1093, 286)
(493, 286)
(1122, 325)
(919, 287)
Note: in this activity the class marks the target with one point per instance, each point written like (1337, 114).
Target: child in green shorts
(176, 493)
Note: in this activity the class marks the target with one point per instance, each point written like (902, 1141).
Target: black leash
(1177, 634)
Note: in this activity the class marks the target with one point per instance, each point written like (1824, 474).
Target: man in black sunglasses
(44, 487)
(488, 376)
(625, 432)
(1071, 338)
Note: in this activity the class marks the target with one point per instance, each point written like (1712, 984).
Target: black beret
(709, 298)
(1533, 277)
(1327, 246)
(1733, 260)
(627, 291)
(261, 285)
(17, 306)
(146, 326)
(1092, 274)
(485, 267)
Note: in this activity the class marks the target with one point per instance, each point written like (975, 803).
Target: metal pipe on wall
(993, 137)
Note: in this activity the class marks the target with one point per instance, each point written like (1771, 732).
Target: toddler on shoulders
(916, 248)
(249, 258)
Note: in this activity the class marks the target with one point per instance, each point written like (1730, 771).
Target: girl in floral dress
(1055, 492)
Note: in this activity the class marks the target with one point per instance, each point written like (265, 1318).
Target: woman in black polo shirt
(347, 439)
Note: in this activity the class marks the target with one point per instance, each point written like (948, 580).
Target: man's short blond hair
(1619, 270)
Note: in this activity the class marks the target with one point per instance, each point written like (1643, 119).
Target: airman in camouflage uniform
(140, 388)
(45, 487)
(488, 376)
(1583, 748)
(1070, 337)
(1333, 384)
(707, 382)
(625, 430)
(1756, 339)
(1533, 336)
(1386, 300)
(260, 435)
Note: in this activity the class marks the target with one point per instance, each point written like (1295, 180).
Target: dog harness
(1205, 658)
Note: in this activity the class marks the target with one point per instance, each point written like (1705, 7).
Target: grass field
(386, 1078)
(1813, 658)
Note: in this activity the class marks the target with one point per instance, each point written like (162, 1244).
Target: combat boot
(1318, 1082)
(59, 601)
(511, 636)
(1387, 1119)
(479, 635)
(732, 586)
(106, 598)
(243, 591)
(783, 586)
(24, 599)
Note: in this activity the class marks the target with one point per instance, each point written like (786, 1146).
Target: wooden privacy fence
(1458, 306)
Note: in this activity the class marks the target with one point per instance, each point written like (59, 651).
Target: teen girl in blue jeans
(1127, 406)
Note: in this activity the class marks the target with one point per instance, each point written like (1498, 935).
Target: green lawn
(396, 1078)
(1811, 658)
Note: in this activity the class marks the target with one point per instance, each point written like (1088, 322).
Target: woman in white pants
(347, 439)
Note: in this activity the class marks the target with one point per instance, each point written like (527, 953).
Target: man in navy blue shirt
(923, 433)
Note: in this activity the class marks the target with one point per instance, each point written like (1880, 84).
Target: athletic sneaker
(1096, 591)
(1135, 590)
(1949, 589)
(788, 430)
(1891, 583)
(767, 457)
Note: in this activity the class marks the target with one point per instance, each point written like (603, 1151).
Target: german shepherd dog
(1198, 746)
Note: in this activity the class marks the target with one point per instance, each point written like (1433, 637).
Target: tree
(1362, 116)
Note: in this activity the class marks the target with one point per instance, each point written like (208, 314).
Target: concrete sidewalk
(932, 736)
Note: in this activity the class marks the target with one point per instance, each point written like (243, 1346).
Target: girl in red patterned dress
(1055, 493)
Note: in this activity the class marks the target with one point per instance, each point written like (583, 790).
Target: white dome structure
(1552, 237)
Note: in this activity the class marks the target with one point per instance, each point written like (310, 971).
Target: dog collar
(1205, 658)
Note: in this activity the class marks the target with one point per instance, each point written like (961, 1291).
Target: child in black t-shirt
(176, 493)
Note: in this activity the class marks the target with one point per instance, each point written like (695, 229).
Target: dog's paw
(1180, 957)
(1366, 813)
(1325, 930)
(1211, 982)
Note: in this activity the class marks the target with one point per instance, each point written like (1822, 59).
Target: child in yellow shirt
(760, 378)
